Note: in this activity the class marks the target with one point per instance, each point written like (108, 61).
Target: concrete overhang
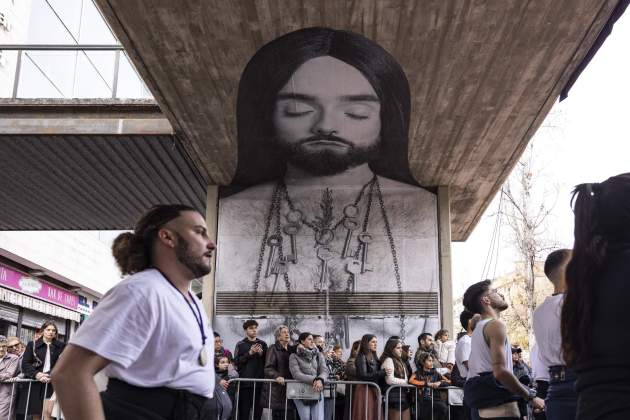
(483, 74)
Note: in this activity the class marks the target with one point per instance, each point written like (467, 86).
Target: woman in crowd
(364, 405)
(38, 360)
(277, 368)
(429, 380)
(596, 300)
(307, 365)
(8, 369)
(351, 367)
(391, 361)
(351, 375)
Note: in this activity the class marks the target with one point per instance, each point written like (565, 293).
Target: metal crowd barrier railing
(332, 385)
(13, 401)
(448, 389)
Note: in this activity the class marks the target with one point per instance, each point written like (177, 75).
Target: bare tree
(526, 210)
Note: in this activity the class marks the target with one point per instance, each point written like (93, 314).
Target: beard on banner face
(326, 160)
(193, 263)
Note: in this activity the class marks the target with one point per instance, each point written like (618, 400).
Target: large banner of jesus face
(323, 228)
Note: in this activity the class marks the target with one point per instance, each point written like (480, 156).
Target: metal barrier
(448, 389)
(13, 400)
(332, 385)
(390, 387)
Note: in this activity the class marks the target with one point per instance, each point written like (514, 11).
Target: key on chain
(351, 211)
(273, 242)
(351, 224)
(354, 268)
(324, 236)
(365, 239)
(292, 229)
(280, 268)
(324, 254)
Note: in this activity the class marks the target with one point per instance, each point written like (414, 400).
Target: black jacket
(247, 365)
(369, 370)
(276, 365)
(29, 360)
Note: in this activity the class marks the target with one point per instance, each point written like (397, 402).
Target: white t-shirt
(462, 353)
(539, 370)
(547, 330)
(147, 330)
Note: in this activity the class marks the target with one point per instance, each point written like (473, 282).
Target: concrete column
(444, 235)
(212, 213)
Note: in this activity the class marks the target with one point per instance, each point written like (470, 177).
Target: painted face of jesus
(327, 117)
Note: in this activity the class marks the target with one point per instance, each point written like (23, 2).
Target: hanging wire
(492, 255)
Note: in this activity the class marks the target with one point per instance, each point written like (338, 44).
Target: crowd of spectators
(312, 367)
(33, 361)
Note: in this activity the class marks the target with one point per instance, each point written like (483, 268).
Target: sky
(585, 138)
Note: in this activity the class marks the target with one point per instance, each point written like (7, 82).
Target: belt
(560, 373)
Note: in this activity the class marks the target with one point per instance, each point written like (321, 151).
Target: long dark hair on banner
(602, 222)
(272, 67)
(132, 250)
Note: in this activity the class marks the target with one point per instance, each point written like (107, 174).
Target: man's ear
(485, 300)
(167, 237)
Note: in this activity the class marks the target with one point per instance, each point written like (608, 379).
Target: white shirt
(445, 351)
(392, 379)
(480, 360)
(462, 353)
(147, 330)
(547, 330)
(47, 359)
(539, 369)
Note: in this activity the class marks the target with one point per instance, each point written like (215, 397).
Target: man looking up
(249, 358)
(561, 398)
(149, 333)
(491, 388)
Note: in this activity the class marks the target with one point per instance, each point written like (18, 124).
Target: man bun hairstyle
(554, 261)
(464, 318)
(132, 250)
(472, 296)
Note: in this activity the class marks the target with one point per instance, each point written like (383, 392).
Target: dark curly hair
(132, 250)
(472, 296)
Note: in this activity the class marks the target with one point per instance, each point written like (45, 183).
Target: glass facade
(54, 73)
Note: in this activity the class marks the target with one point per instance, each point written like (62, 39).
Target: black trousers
(440, 411)
(122, 401)
(246, 401)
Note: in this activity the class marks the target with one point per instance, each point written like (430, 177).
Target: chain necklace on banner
(324, 228)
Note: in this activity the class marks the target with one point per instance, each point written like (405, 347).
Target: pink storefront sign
(37, 288)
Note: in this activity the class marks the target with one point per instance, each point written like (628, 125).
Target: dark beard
(328, 162)
(195, 265)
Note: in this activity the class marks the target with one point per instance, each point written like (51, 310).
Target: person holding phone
(249, 358)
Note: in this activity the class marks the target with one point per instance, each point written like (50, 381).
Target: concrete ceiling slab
(483, 74)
